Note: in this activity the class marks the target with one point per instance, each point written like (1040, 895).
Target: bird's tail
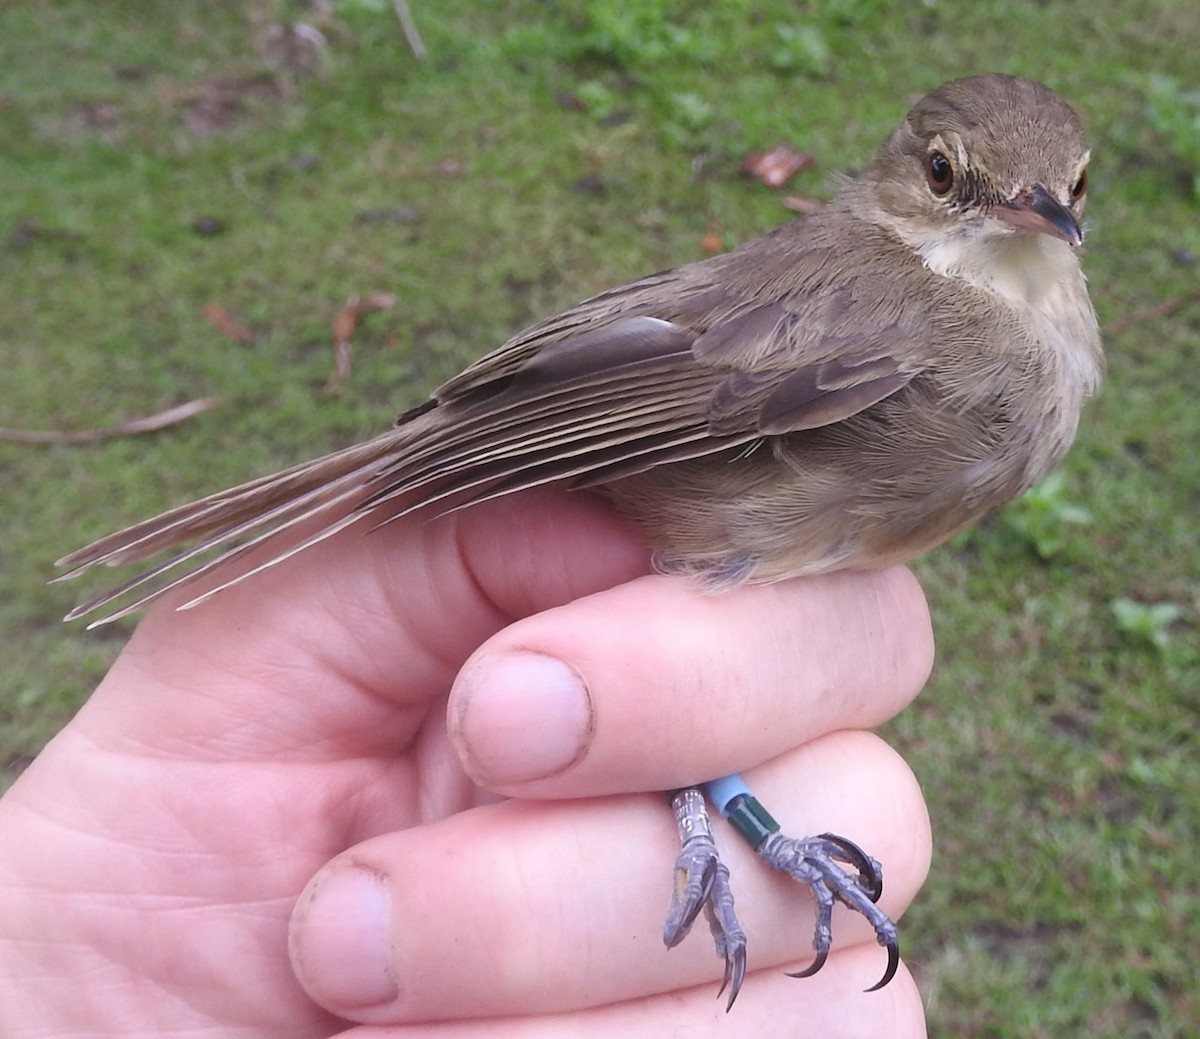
(234, 523)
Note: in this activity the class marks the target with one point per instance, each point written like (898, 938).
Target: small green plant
(854, 12)
(685, 118)
(690, 111)
(802, 50)
(1146, 623)
(1174, 112)
(639, 33)
(1043, 517)
(598, 99)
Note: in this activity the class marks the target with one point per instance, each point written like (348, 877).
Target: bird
(843, 392)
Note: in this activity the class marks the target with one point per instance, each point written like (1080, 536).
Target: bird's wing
(678, 365)
(675, 366)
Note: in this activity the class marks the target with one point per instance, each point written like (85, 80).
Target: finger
(534, 907)
(671, 686)
(772, 1006)
(314, 657)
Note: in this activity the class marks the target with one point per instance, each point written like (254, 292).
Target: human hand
(292, 754)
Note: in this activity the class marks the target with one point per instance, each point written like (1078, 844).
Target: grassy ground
(155, 162)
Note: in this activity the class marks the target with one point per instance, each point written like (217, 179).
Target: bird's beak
(1035, 209)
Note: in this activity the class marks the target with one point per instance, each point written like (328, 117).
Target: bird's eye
(939, 173)
(1079, 188)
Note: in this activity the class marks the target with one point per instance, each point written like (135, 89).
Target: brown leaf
(409, 27)
(343, 325)
(570, 102)
(1159, 310)
(210, 107)
(134, 427)
(341, 367)
(225, 323)
(776, 167)
(711, 243)
(296, 49)
(803, 205)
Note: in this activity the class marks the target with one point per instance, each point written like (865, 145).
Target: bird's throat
(1028, 270)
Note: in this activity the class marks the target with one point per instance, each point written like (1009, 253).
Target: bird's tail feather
(235, 522)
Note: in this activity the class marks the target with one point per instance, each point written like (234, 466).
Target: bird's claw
(695, 872)
(870, 873)
(817, 963)
(893, 963)
(833, 868)
(817, 863)
(702, 883)
(727, 933)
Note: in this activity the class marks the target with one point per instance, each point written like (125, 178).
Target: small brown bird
(844, 392)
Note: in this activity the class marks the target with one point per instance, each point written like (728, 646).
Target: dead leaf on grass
(225, 323)
(134, 427)
(211, 106)
(1159, 310)
(343, 326)
(449, 168)
(803, 205)
(295, 50)
(776, 167)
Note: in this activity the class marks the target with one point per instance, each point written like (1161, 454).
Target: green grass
(1058, 739)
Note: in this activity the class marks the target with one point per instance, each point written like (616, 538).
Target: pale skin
(356, 796)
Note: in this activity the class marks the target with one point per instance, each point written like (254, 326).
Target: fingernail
(340, 939)
(520, 716)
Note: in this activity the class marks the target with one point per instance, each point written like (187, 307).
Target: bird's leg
(702, 880)
(818, 862)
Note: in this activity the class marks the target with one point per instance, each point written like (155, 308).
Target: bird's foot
(820, 862)
(832, 867)
(702, 882)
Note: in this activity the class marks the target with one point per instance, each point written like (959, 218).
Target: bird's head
(986, 157)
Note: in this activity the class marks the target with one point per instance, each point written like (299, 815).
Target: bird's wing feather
(675, 366)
